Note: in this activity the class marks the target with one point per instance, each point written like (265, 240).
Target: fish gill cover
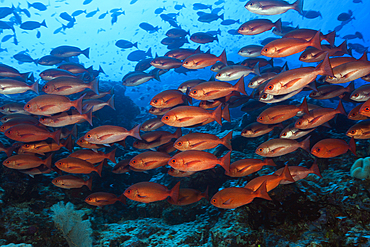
(217, 113)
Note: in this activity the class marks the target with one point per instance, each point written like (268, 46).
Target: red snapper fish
(106, 134)
(202, 60)
(50, 104)
(273, 7)
(151, 192)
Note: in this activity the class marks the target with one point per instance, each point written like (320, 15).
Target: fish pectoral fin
(140, 196)
(333, 150)
(277, 116)
(192, 163)
(171, 99)
(46, 107)
(104, 137)
(26, 135)
(277, 149)
(197, 144)
(185, 119)
(149, 163)
(59, 89)
(210, 93)
(291, 83)
(228, 202)
(314, 120)
(349, 74)
(101, 200)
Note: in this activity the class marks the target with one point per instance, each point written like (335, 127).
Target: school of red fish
(38, 127)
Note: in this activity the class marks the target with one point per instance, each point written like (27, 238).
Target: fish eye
(46, 86)
(299, 122)
(353, 132)
(270, 87)
(356, 95)
(330, 77)
(179, 143)
(214, 200)
(260, 149)
(155, 101)
(28, 106)
(133, 162)
(367, 109)
(173, 161)
(264, 96)
(186, 62)
(317, 150)
(284, 134)
(260, 118)
(166, 118)
(128, 191)
(7, 162)
(27, 145)
(194, 92)
(60, 163)
(304, 56)
(88, 136)
(265, 50)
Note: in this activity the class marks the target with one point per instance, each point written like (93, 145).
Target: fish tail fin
(8, 151)
(221, 16)
(135, 45)
(225, 113)
(135, 132)
(315, 41)
(278, 25)
(110, 102)
(226, 140)
(298, 6)
(350, 87)
(216, 115)
(88, 183)
(222, 58)
(74, 131)
(112, 155)
(269, 162)
(149, 52)
(343, 47)
(216, 38)
(43, 23)
(156, 75)
(178, 133)
(324, 68)
(261, 192)
(315, 169)
(256, 69)
(305, 144)
(88, 116)
(47, 161)
(99, 168)
(174, 192)
(285, 175)
(78, 104)
(340, 108)
(352, 146)
(86, 52)
(239, 86)
(68, 144)
(225, 162)
(29, 5)
(122, 198)
(304, 107)
(94, 86)
(101, 70)
(35, 87)
(330, 37)
(205, 194)
(56, 135)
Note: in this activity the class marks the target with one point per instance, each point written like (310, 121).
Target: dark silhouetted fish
(5, 11)
(6, 25)
(345, 16)
(31, 25)
(24, 58)
(311, 14)
(37, 5)
(125, 44)
(66, 16)
(197, 6)
(148, 27)
(102, 15)
(138, 55)
(69, 51)
(229, 22)
(92, 13)
(208, 18)
(50, 60)
(179, 7)
(86, 2)
(159, 10)
(78, 12)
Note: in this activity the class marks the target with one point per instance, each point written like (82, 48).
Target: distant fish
(38, 34)
(50, 60)
(78, 12)
(37, 5)
(159, 10)
(208, 18)
(228, 22)
(102, 15)
(311, 14)
(7, 37)
(345, 16)
(148, 27)
(24, 58)
(92, 13)
(125, 44)
(31, 25)
(5, 11)
(66, 16)
(197, 6)
(133, 1)
(179, 7)
(203, 38)
(69, 51)
(86, 2)
(139, 55)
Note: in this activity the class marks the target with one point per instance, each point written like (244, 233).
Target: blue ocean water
(99, 32)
